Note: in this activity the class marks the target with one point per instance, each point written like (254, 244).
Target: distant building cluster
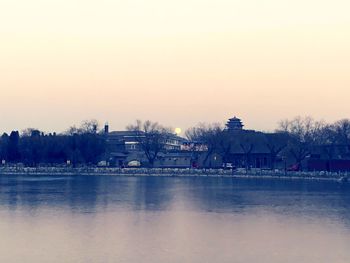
(299, 144)
(232, 148)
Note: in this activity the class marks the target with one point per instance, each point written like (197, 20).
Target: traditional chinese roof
(234, 124)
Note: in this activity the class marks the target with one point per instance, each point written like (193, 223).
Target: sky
(176, 62)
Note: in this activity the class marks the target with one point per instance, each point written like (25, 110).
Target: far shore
(167, 172)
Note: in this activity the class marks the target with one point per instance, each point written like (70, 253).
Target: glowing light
(178, 131)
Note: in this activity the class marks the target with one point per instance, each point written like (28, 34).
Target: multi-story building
(234, 124)
(126, 146)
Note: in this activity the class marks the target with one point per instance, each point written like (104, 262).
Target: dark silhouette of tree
(55, 148)
(84, 146)
(151, 138)
(13, 153)
(92, 146)
(212, 136)
(303, 133)
(31, 147)
(4, 141)
(246, 141)
(341, 132)
(87, 126)
(275, 143)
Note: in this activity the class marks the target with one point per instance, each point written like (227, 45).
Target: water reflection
(159, 219)
(93, 193)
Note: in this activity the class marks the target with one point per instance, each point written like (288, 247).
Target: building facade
(125, 147)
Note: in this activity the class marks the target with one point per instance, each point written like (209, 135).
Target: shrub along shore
(169, 172)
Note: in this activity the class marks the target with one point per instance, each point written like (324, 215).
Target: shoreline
(168, 172)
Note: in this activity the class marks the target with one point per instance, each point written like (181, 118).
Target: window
(133, 146)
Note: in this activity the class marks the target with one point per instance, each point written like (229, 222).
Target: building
(125, 147)
(130, 141)
(331, 158)
(237, 147)
(175, 160)
(234, 124)
(123, 141)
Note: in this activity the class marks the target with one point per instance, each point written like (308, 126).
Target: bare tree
(209, 134)
(276, 142)
(151, 138)
(246, 142)
(87, 126)
(304, 134)
(341, 131)
(202, 131)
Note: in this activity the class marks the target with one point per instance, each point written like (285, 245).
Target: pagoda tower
(234, 124)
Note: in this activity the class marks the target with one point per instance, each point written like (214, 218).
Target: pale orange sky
(177, 62)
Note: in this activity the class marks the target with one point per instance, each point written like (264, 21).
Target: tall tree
(275, 143)
(341, 131)
(4, 141)
(212, 135)
(151, 138)
(13, 153)
(31, 147)
(304, 133)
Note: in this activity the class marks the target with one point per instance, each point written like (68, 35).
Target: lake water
(160, 219)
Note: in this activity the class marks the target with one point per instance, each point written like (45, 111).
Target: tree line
(294, 139)
(78, 145)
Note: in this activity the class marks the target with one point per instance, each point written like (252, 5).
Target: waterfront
(164, 219)
(168, 172)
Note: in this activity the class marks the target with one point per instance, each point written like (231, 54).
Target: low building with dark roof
(331, 158)
(124, 147)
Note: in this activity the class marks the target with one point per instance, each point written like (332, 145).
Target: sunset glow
(175, 62)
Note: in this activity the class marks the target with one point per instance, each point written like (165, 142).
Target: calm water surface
(155, 219)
